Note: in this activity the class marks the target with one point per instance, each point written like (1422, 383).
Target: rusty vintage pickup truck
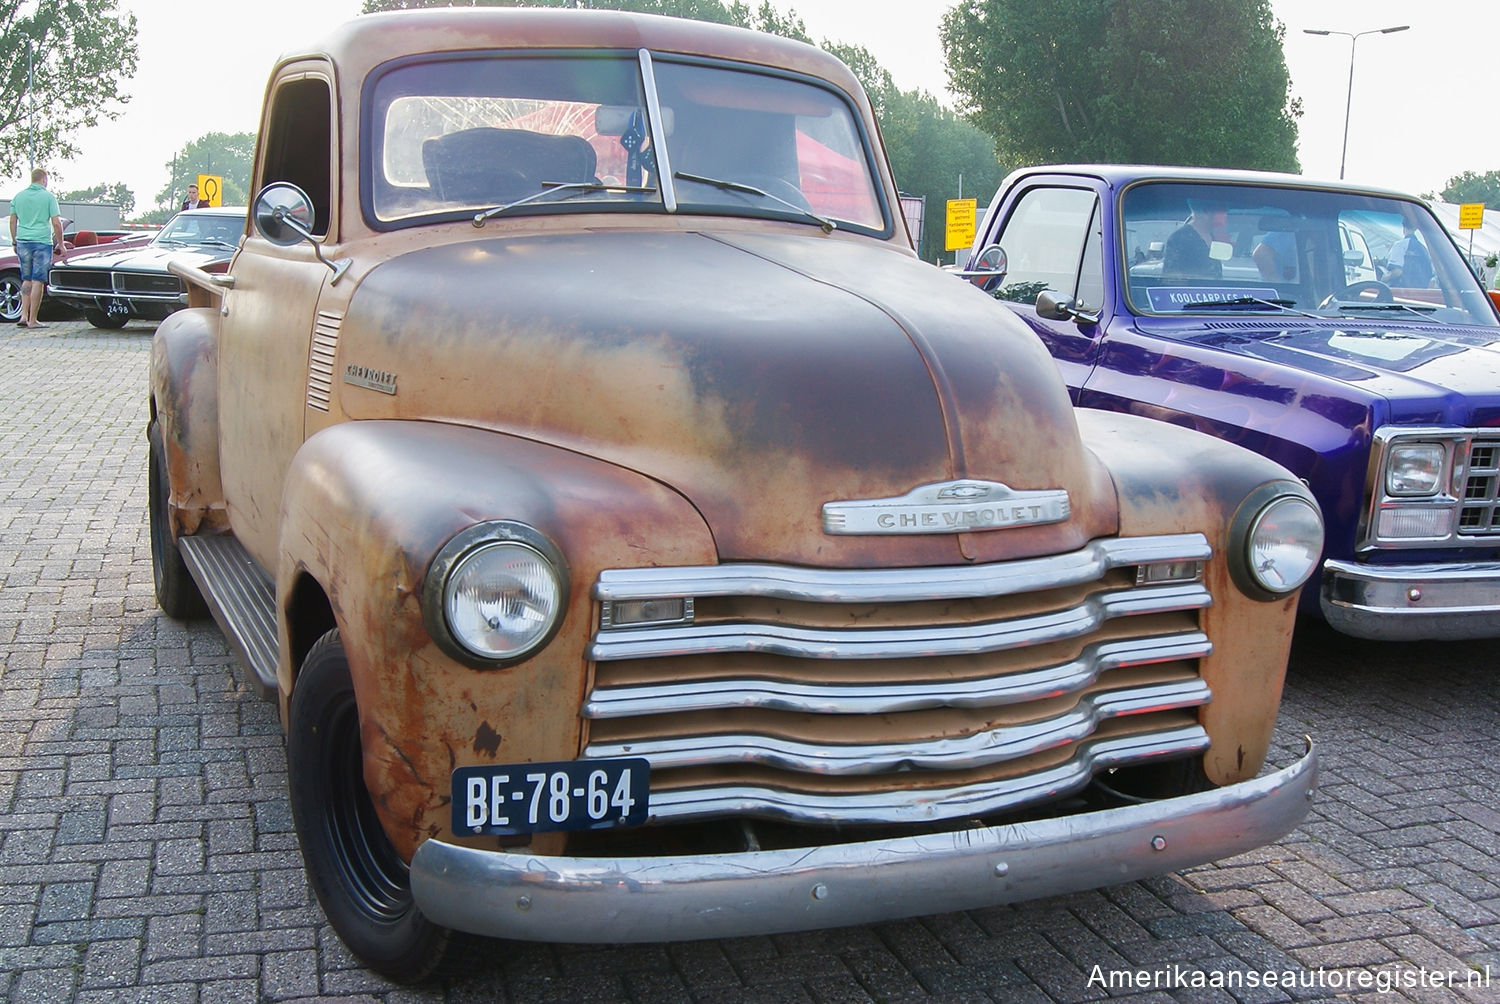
(642, 543)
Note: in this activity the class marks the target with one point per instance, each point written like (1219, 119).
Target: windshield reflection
(1241, 249)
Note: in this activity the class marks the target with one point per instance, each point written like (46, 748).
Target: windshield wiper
(1286, 306)
(1421, 310)
(217, 242)
(567, 188)
(739, 186)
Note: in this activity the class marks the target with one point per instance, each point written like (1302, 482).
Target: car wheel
(100, 319)
(10, 297)
(360, 881)
(176, 592)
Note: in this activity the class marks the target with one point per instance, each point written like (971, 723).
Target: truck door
(269, 314)
(1053, 239)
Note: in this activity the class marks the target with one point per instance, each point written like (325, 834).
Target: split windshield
(507, 135)
(1219, 249)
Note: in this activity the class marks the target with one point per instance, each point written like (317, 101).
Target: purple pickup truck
(1333, 328)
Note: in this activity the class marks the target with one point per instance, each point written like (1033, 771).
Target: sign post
(959, 224)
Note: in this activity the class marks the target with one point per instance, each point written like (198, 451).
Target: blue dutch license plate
(541, 797)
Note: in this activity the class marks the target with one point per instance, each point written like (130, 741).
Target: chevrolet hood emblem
(963, 506)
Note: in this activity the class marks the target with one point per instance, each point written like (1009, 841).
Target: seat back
(488, 166)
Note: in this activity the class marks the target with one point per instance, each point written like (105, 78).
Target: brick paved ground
(146, 850)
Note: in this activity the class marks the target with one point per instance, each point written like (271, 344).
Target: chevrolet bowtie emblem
(962, 506)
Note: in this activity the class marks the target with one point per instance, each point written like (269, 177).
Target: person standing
(192, 201)
(36, 232)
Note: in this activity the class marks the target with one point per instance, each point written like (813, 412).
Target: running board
(242, 599)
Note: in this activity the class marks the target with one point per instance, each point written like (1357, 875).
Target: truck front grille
(1479, 514)
(898, 695)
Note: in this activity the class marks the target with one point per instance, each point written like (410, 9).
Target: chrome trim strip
(918, 805)
(896, 643)
(532, 897)
(658, 134)
(877, 698)
(899, 585)
(1446, 602)
(967, 752)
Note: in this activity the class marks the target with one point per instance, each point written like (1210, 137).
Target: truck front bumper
(651, 899)
(1446, 602)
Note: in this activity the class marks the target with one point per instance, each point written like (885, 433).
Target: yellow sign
(959, 227)
(1471, 216)
(211, 189)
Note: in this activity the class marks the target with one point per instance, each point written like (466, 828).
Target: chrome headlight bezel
(1273, 506)
(499, 539)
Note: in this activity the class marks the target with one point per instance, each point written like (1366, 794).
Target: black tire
(10, 296)
(360, 881)
(100, 319)
(176, 592)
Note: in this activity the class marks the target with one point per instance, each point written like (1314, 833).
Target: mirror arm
(291, 223)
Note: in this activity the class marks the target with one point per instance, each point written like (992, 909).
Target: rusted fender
(1172, 480)
(185, 403)
(367, 506)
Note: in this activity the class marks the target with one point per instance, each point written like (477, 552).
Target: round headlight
(495, 594)
(1283, 545)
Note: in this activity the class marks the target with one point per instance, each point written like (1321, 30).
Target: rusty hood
(760, 375)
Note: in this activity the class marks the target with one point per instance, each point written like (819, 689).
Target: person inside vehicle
(1198, 248)
(1275, 256)
(1408, 263)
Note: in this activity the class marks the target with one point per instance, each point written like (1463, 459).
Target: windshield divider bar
(658, 134)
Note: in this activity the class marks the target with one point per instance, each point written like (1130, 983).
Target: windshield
(1213, 249)
(468, 135)
(202, 228)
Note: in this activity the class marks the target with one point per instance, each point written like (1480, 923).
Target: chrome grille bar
(901, 585)
(885, 698)
(896, 643)
(978, 749)
(916, 805)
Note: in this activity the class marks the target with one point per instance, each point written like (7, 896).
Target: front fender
(1169, 480)
(185, 403)
(366, 507)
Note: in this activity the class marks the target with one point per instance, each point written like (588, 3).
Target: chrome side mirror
(1053, 306)
(989, 269)
(283, 215)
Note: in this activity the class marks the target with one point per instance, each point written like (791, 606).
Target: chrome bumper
(1409, 602)
(531, 898)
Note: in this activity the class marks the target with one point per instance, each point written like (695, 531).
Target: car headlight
(1277, 538)
(495, 594)
(1414, 469)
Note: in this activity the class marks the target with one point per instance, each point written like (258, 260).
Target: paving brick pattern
(147, 854)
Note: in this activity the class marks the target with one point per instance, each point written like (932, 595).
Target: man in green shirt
(36, 231)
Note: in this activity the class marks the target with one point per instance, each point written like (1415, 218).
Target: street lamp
(1354, 37)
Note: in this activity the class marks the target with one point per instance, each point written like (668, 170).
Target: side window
(298, 139)
(1044, 240)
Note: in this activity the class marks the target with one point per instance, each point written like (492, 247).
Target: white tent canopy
(1486, 241)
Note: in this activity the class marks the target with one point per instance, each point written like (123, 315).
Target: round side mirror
(283, 214)
(992, 266)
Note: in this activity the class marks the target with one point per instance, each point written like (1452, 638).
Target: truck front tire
(360, 881)
(176, 592)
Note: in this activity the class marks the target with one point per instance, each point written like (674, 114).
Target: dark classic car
(114, 286)
(1333, 328)
(10, 267)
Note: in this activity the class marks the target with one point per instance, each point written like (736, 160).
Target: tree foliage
(1473, 187)
(1125, 81)
(111, 195)
(228, 155)
(80, 53)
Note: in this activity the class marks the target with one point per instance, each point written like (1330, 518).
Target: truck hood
(1416, 367)
(760, 375)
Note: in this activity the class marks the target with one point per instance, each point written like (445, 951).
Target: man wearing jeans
(36, 231)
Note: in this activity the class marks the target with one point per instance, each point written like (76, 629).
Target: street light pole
(1354, 37)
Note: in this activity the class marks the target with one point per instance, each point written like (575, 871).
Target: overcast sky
(1424, 108)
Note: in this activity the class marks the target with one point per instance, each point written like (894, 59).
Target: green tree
(80, 53)
(1125, 81)
(1473, 187)
(227, 155)
(112, 195)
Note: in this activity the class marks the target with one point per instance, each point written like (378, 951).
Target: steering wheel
(780, 188)
(1367, 290)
